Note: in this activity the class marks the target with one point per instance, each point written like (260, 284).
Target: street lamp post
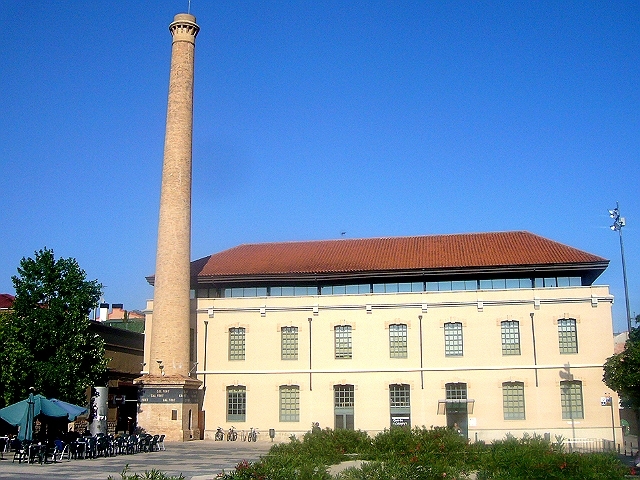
(607, 400)
(618, 223)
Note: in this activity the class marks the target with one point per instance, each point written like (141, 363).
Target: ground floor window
(571, 400)
(289, 403)
(513, 400)
(400, 405)
(236, 404)
(343, 406)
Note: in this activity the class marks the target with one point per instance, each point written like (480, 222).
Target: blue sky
(314, 118)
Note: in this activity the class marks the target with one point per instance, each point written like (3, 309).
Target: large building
(491, 333)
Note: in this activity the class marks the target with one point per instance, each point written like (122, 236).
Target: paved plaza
(197, 460)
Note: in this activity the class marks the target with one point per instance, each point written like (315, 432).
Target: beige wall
(482, 367)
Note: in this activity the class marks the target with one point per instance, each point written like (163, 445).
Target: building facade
(490, 333)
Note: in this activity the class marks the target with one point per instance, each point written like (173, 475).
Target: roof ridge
(386, 237)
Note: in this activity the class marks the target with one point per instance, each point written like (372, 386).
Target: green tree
(622, 370)
(45, 342)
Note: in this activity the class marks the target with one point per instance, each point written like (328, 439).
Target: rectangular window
(339, 289)
(571, 400)
(510, 337)
(513, 400)
(525, 283)
(236, 343)
(456, 398)
(289, 403)
(398, 341)
(343, 341)
(289, 343)
(567, 335)
(453, 339)
(343, 406)
(513, 283)
(400, 405)
(236, 404)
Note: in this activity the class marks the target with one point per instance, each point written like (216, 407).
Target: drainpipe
(206, 334)
(421, 370)
(310, 384)
(535, 357)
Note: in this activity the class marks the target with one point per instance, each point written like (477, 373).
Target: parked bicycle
(252, 436)
(232, 434)
(219, 434)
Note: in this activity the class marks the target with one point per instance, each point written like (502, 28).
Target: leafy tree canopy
(622, 370)
(45, 342)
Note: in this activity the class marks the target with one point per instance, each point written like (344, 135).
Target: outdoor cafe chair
(120, 444)
(101, 445)
(4, 443)
(145, 442)
(133, 444)
(78, 448)
(153, 443)
(21, 450)
(37, 452)
(92, 447)
(60, 450)
(161, 442)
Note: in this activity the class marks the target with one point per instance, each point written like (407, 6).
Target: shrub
(420, 453)
(148, 475)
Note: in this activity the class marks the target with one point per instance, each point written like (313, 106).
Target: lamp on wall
(161, 367)
(195, 364)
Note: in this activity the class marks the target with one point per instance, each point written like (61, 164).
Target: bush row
(421, 453)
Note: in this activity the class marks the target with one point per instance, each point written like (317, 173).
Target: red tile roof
(402, 254)
(6, 300)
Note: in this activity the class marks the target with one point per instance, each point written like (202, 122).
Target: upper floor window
(510, 333)
(453, 339)
(571, 400)
(345, 289)
(236, 343)
(289, 338)
(567, 335)
(398, 341)
(343, 341)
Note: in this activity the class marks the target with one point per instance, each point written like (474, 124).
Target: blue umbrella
(23, 413)
(72, 410)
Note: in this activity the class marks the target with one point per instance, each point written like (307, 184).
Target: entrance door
(343, 407)
(457, 415)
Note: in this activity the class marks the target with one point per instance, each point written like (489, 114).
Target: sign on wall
(168, 395)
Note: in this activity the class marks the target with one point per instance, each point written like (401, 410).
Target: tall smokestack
(171, 310)
(169, 397)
